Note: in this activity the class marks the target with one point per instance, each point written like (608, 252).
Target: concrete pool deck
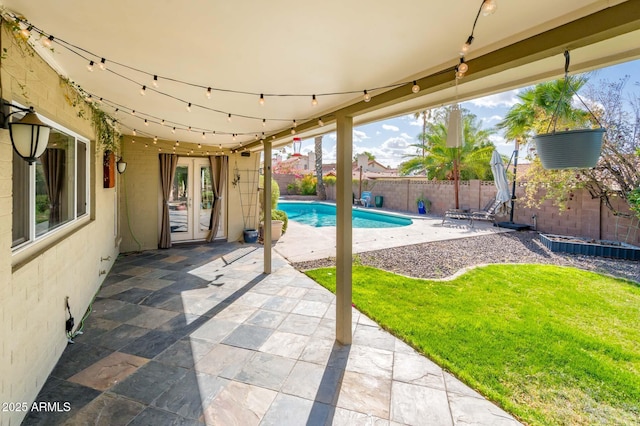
(303, 242)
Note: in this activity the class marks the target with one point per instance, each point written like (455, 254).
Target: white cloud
(359, 135)
(390, 127)
(405, 135)
(492, 119)
(506, 99)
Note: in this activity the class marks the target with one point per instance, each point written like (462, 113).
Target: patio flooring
(199, 335)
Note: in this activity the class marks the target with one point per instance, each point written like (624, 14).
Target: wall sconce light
(121, 165)
(29, 135)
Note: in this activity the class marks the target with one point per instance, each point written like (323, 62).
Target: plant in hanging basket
(569, 149)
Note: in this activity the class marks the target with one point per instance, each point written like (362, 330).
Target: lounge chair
(488, 213)
(365, 198)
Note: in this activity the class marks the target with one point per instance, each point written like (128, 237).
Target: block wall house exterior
(43, 264)
(44, 261)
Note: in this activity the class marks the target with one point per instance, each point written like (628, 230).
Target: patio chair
(365, 198)
(488, 213)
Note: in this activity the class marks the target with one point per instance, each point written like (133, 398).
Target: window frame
(34, 240)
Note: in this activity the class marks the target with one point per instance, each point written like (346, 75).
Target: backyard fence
(585, 217)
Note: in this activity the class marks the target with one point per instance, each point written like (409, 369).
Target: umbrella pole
(510, 224)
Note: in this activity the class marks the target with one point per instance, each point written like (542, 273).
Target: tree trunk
(320, 190)
(456, 178)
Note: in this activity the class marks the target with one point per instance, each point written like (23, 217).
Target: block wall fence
(585, 217)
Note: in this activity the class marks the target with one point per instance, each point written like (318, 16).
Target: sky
(389, 140)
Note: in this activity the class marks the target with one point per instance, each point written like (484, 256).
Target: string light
(116, 111)
(320, 122)
(314, 101)
(199, 146)
(466, 45)
(173, 130)
(229, 118)
(134, 132)
(488, 7)
(26, 32)
(463, 67)
(294, 123)
(133, 112)
(177, 143)
(261, 101)
(293, 131)
(143, 91)
(146, 123)
(90, 66)
(415, 88)
(233, 137)
(155, 140)
(155, 81)
(146, 145)
(264, 122)
(367, 96)
(189, 129)
(203, 136)
(189, 107)
(103, 64)
(208, 93)
(46, 42)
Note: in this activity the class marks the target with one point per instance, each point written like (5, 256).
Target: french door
(191, 201)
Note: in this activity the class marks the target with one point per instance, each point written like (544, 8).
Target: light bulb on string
(293, 131)
(314, 101)
(159, 149)
(233, 137)
(189, 129)
(489, 7)
(199, 146)
(26, 32)
(46, 42)
(155, 81)
(261, 101)
(220, 146)
(177, 143)
(116, 111)
(155, 140)
(320, 122)
(143, 91)
(463, 67)
(204, 136)
(256, 136)
(134, 132)
(173, 130)
(146, 123)
(367, 96)
(90, 66)
(146, 145)
(294, 123)
(189, 107)
(465, 47)
(208, 93)
(264, 122)
(133, 112)
(162, 122)
(229, 118)
(103, 64)
(415, 88)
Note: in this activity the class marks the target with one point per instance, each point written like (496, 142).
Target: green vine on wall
(105, 127)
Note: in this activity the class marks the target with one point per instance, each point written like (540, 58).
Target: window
(53, 191)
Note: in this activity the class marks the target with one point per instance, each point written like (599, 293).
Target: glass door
(191, 201)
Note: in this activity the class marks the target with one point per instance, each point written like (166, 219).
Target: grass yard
(552, 345)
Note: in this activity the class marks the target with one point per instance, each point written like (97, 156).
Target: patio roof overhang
(287, 48)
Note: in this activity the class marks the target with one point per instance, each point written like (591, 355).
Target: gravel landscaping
(442, 259)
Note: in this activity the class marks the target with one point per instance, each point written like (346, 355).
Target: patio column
(266, 232)
(344, 200)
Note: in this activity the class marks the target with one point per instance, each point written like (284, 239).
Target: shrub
(280, 215)
(634, 201)
(329, 180)
(308, 184)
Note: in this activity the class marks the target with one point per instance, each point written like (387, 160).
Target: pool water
(320, 214)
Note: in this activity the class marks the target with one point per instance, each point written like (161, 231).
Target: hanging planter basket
(570, 149)
(578, 149)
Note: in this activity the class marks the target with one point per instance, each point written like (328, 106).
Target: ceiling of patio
(284, 47)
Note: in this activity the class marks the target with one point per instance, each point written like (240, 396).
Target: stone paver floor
(199, 335)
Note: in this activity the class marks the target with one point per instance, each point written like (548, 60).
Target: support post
(344, 132)
(266, 231)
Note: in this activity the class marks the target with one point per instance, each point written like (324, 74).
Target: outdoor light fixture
(297, 144)
(415, 88)
(29, 135)
(121, 165)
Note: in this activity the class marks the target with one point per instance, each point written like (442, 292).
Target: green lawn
(552, 345)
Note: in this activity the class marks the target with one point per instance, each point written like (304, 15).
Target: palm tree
(537, 108)
(423, 136)
(320, 189)
(470, 161)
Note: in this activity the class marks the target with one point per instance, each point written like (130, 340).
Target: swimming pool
(321, 214)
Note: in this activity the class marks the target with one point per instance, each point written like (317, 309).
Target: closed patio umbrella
(502, 185)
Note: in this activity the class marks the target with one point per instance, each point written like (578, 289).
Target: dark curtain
(53, 168)
(168, 163)
(219, 168)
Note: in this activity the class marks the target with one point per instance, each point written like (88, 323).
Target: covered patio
(199, 334)
(229, 82)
